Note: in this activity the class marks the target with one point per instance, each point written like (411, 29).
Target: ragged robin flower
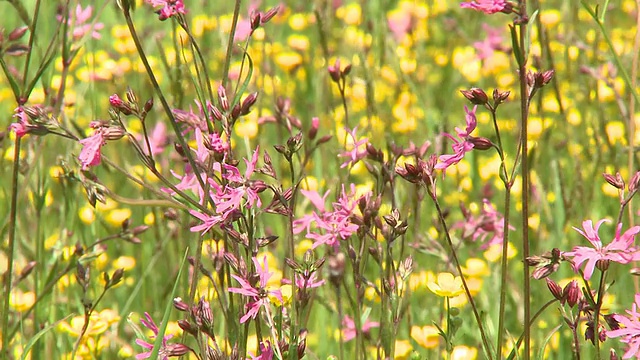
(258, 294)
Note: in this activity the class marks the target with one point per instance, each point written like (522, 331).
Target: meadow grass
(334, 223)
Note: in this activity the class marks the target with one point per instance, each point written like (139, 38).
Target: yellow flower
(475, 267)
(117, 216)
(494, 252)
(97, 326)
(289, 60)
(403, 349)
(124, 262)
(462, 352)
(446, 285)
(427, 336)
(22, 301)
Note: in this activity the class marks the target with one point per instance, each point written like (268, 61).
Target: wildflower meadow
(324, 179)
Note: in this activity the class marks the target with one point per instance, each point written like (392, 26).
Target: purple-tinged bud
(313, 131)
(611, 321)
(186, 326)
(217, 114)
(248, 102)
(346, 71)
(634, 183)
(222, 98)
(477, 96)
(602, 264)
(571, 293)
(113, 133)
(500, 97)
(616, 181)
(180, 305)
(266, 17)
(116, 101)
(256, 19)
(541, 79)
(203, 311)
(334, 71)
(175, 350)
(612, 355)
(147, 106)
(17, 33)
(480, 143)
(555, 289)
(324, 139)
(236, 112)
(131, 96)
(27, 269)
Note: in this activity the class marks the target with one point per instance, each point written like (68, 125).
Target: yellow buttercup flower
(446, 285)
(427, 336)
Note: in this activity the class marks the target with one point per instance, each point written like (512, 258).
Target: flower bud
(634, 183)
(480, 143)
(571, 293)
(113, 133)
(555, 289)
(222, 98)
(248, 102)
(17, 33)
(477, 96)
(616, 181)
(313, 131)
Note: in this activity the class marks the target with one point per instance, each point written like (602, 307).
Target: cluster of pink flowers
(487, 6)
(258, 294)
(357, 151)
(630, 333)
(169, 8)
(331, 226)
(81, 20)
(487, 228)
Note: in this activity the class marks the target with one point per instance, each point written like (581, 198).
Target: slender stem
(483, 334)
(533, 319)
(12, 246)
(504, 267)
(524, 113)
(596, 313)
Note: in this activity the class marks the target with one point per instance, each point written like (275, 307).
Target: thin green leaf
(245, 83)
(546, 341)
(14, 85)
(167, 311)
(517, 52)
(38, 335)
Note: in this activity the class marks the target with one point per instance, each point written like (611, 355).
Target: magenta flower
(488, 227)
(81, 20)
(491, 43)
(259, 296)
(169, 8)
(619, 250)
(357, 152)
(90, 154)
(266, 352)
(166, 350)
(331, 226)
(630, 332)
(486, 6)
(349, 328)
(460, 148)
(21, 128)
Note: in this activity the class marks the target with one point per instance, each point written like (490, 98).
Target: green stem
(476, 314)
(596, 314)
(12, 246)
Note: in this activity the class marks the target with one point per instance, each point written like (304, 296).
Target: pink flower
(169, 8)
(21, 128)
(90, 153)
(630, 332)
(619, 250)
(349, 328)
(82, 23)
(491, 43)
(166, 350)
(460, 147)
(260, 294)
(486, 6)
(356, 153)
(331, 226)
(488, 225)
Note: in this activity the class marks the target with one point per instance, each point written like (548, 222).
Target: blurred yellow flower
(124, 262)
(288, 60)
(22, 301)
(427, 336)
(462, 352)
(475, 267)
(116, 217)
(494, 252)
(446, 285)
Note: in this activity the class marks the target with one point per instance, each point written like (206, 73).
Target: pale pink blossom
(90, 154)
(169, 8)
(619, 250)
(349, 328)
(259, 295)
(630, 333)
(462, 146)
(357, 151)
(486, 6)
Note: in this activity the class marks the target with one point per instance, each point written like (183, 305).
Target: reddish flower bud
(222, 98)
(571, 293)
(634, 183)
(313, 131)
(476, 96)
(480, 143)
(334, 71)
(555, 289)
(113, 133)
(616, 181)
(17, 33)
(116, 101)
(248, 102)
(500, 97)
